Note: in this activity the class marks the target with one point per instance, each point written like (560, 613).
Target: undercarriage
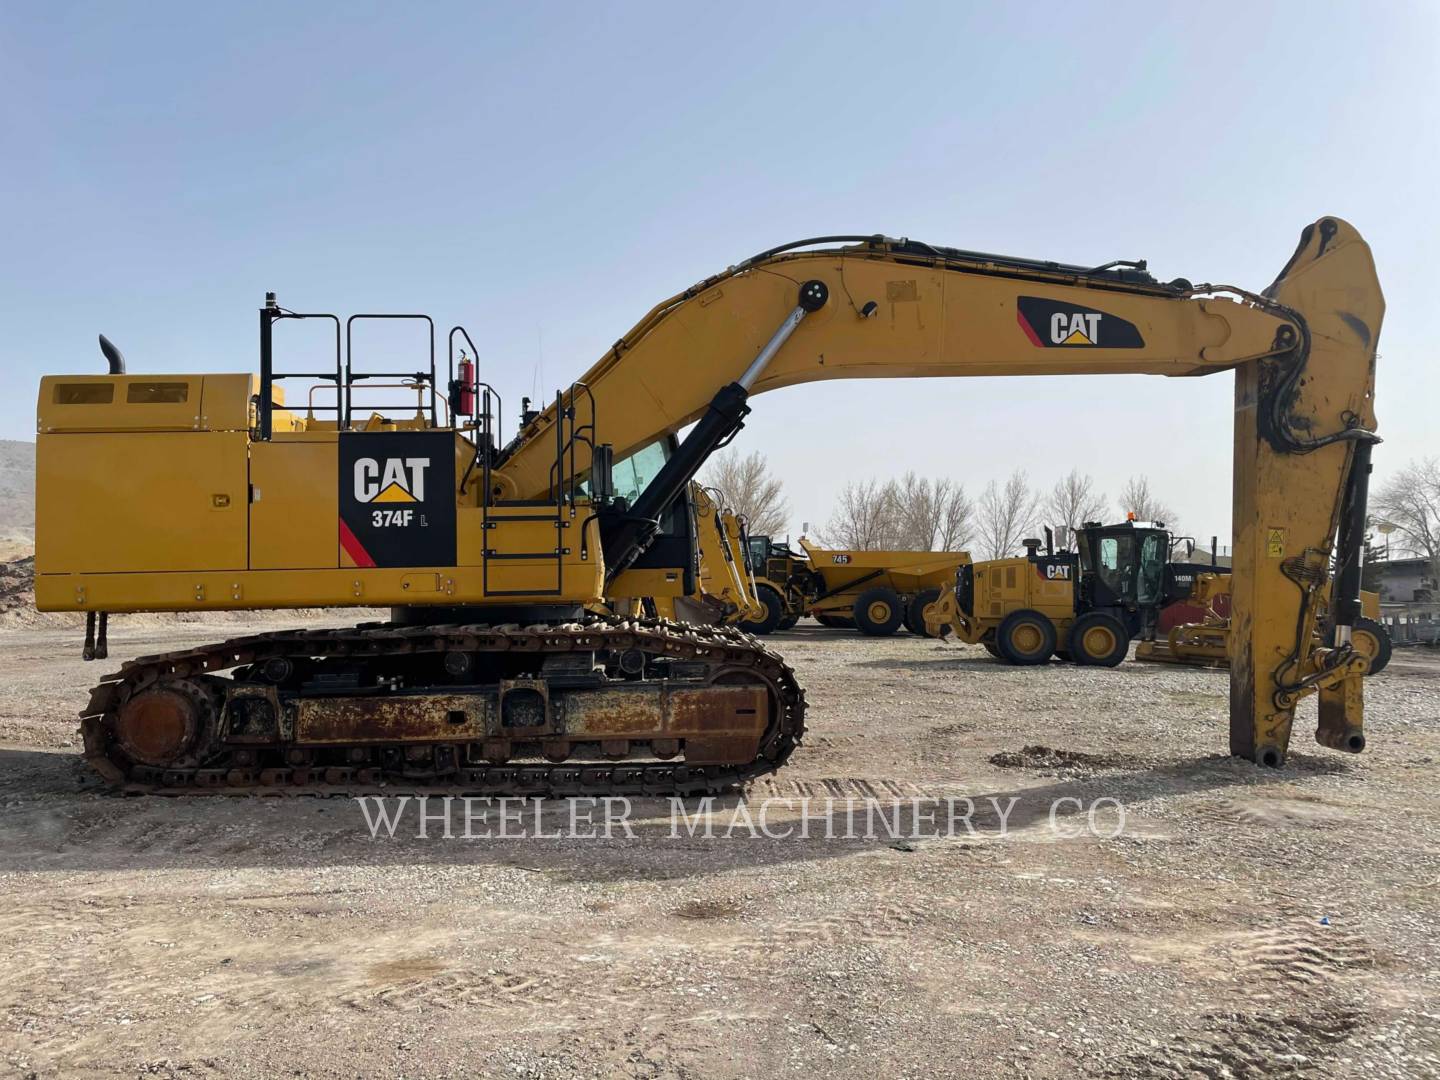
(601, 706)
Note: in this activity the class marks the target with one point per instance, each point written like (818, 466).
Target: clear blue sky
(546, 172)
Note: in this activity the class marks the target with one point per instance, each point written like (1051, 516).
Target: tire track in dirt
(1301, 988)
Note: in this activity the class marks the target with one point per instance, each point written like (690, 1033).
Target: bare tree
(1006, 514)
(866, 519)
(1409, 503)
(932, 515)
(1137, 498)
(1073, 501)
(750, 491)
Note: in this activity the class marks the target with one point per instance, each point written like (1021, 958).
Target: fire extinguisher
(465, 387)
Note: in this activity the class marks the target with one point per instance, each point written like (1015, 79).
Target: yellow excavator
(507, 665)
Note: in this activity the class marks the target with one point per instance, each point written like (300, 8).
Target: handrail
(349, 372)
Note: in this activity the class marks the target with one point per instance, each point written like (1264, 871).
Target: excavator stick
(1303, 431)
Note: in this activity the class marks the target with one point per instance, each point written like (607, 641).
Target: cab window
(1109, 554)
(1152, 569)
(759, 552)
(634, 473)
(1116, 569)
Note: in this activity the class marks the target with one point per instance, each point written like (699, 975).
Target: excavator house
(515, 660)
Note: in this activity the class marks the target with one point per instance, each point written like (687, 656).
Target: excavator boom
(1303, 353)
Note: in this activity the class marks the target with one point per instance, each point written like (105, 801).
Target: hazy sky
(544, 173)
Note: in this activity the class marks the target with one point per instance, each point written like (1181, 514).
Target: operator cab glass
(758, 551)
(633, 474)
(1154, 549)
(1115, 565)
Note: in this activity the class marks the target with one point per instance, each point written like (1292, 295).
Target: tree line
(917, 513)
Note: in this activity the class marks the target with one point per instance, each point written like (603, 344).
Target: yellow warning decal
(1275, 543)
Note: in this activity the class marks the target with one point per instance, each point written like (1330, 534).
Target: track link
(264, 770)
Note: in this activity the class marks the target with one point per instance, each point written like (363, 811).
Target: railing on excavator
(468, 396)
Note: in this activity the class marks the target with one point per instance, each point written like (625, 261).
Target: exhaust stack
(113, 356)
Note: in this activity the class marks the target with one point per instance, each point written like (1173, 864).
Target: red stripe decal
(1029, 330)
(358, 555)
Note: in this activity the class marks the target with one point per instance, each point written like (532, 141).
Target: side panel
(123, 502)
(294, 507)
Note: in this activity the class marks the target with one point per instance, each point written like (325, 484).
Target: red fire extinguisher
(465, 399)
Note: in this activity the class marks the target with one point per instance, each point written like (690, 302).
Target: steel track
(719, 647)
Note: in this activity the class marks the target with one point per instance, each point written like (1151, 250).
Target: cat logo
(395, 480)
(1053, 324)
(1057, 571)
(1077, 328)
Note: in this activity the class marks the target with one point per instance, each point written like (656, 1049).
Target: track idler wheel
(162, 726)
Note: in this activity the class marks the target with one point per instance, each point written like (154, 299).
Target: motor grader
(875, 592)
(1205, 643)
(507, 666)
(1085, 606)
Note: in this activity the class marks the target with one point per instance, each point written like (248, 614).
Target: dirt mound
(17, 585)
(1046, 757)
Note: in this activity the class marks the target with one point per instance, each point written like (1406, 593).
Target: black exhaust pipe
(113, 356)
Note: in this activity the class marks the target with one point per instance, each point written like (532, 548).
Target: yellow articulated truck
(875, 592)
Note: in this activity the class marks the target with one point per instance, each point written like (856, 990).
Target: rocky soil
(1145, 907)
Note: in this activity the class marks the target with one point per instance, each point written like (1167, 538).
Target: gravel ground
(1239, 922)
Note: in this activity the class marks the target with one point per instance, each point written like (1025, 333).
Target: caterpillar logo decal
(1054, 324)
(397, 499)
(393, 480)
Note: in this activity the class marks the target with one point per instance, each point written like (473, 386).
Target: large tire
(774, 605)
(1098, 640)
(992, 649)
(915, 611)
(1025, 637)
(1372, 640)
(879, 611)
(788, 622)
(835, 622)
